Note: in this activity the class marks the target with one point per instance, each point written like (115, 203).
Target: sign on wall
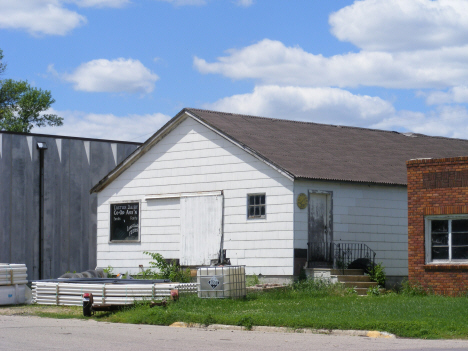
(124, 221)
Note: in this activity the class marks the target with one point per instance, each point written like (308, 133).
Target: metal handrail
(339, 255)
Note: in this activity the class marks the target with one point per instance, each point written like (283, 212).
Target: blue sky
(119, 69)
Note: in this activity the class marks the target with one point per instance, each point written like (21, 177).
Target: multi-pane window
(448, 239)
(256, 207)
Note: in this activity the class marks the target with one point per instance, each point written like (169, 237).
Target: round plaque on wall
(302, 201)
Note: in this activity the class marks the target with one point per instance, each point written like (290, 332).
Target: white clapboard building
(272, 193)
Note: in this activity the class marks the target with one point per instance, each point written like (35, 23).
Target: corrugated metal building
(65, 216)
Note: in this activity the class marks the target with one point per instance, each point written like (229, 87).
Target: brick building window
(446, 239)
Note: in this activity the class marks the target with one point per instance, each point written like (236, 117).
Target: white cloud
(186, 2)
(47, 17)
(323, 105)
(406, 44)
(101, 3)
(120, 75)
(402, 24)
(39, 16)
(244, 3)
(106, 126)
(457, 95)
(271, 62)
(449, 121)
(340, 107)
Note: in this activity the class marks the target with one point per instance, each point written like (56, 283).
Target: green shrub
(377, 274)
(414, 288)
(350, 291)
(109, 271)
(373, 291)
(246, 322)
(208, 320)
(252, 280)
(164, 270)
(302, 275)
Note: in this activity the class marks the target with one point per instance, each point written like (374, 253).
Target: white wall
(192, 158)
(371, 214)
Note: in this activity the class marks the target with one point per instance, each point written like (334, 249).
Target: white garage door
(200, 229)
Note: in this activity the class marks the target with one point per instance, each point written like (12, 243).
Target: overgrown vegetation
(252, 280)
(373, 290)
(160, 268)
(414, 312)
(109, 271)
(315, 305)
(320, 288)
(377, 274)
(302, 275)
(415, 288)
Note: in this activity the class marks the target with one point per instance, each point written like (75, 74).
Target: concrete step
(363, 285)
(346, 272)
(353, 278)
(363, 291)
(330, 271)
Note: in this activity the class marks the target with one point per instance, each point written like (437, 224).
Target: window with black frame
(448, 240)
(124, 221)
(256, 206)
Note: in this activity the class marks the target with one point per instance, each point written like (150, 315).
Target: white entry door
(201, 219)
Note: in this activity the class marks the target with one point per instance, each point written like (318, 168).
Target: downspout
(41, 147)
(222, 252)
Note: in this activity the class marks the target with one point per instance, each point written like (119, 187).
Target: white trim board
(179, 195)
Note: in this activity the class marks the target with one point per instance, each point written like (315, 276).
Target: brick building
(438, 224)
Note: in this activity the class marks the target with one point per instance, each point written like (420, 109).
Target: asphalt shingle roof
(328, 152)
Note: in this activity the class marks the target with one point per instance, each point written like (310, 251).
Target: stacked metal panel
(11, 274)
(71, 294)
(13, 279)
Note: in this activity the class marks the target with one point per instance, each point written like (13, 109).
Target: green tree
(22, 106)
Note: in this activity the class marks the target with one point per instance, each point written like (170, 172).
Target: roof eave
(135, 155)
(352, 181)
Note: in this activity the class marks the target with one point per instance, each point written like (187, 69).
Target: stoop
(350, 278)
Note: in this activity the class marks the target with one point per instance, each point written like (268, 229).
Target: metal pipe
(41, 146)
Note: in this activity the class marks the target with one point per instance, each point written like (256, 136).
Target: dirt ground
(34, 310)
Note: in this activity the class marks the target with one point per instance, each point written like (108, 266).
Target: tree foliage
(22, 106)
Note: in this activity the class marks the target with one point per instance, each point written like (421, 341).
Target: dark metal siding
(69, 209)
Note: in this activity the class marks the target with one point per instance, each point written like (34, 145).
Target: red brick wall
(435, 186)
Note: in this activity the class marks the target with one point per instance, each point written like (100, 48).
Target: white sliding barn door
(201, 219)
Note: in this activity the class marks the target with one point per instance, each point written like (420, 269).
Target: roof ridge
(324, 124)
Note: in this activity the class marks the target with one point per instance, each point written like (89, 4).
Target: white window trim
(428, 241)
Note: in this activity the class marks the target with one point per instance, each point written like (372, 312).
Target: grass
(309, 305)
(320, 306)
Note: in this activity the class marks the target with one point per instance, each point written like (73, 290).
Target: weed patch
(246, 322)
(160, 268)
